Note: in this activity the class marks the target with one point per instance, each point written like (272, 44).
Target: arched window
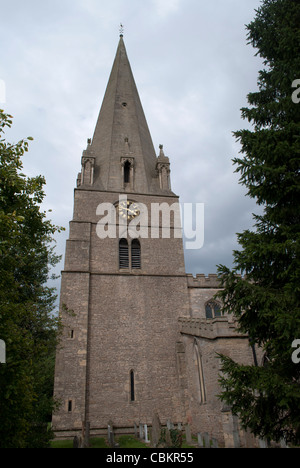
(135, 254)
(132, 393)
(199, 374)
(208, 311)
(212, 309)
(123, 254)
(127, 169)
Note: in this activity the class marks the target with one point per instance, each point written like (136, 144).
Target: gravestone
(77, 442)
(236, 432)
(135, 430)
(188, 434)
(170, 425)
(146, 433)
(236, 439)
(156, 430)
(214, 443)
(87, 435)
(283, 444)
(141, 431)
(263, 443)
(110, 434)
(200, 440)
(206, 440)
(168, 438)
(2, 352)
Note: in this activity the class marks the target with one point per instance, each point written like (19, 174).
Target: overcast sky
(193, 69)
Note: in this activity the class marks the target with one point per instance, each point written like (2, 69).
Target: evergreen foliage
(27, 324)
(266, 301)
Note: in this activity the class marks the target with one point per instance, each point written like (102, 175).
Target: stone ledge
(210, 329)
(204, 282)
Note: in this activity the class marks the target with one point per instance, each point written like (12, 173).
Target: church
(140, 335)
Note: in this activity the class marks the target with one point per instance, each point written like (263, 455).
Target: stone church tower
(140, 335)
(120, 296)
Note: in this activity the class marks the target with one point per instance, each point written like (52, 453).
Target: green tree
(27, 324)
(266, 301)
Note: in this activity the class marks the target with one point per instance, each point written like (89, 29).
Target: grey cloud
(193, 71)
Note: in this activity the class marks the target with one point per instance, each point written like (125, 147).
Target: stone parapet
(211, 329)
(202, 281)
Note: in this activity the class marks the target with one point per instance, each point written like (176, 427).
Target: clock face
(128, 209)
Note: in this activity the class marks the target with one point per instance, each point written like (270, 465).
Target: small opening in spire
(127, 168)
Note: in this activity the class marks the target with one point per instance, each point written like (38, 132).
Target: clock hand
(128, 210)
(133, 212)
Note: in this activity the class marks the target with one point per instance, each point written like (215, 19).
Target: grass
(131, 442)
(100, 442)
(96, 442)
(61, 444)
(126, 441)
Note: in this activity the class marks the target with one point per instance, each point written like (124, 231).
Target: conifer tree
(265, 301)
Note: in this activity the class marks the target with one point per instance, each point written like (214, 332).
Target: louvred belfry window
(123, 254)
(135, 254)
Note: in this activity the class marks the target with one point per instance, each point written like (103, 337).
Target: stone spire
(122, 141)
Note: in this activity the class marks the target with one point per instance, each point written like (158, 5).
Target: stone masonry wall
(206, 338)
(118, 321)
(134, 331)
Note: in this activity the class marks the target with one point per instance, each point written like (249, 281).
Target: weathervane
(121, 29)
